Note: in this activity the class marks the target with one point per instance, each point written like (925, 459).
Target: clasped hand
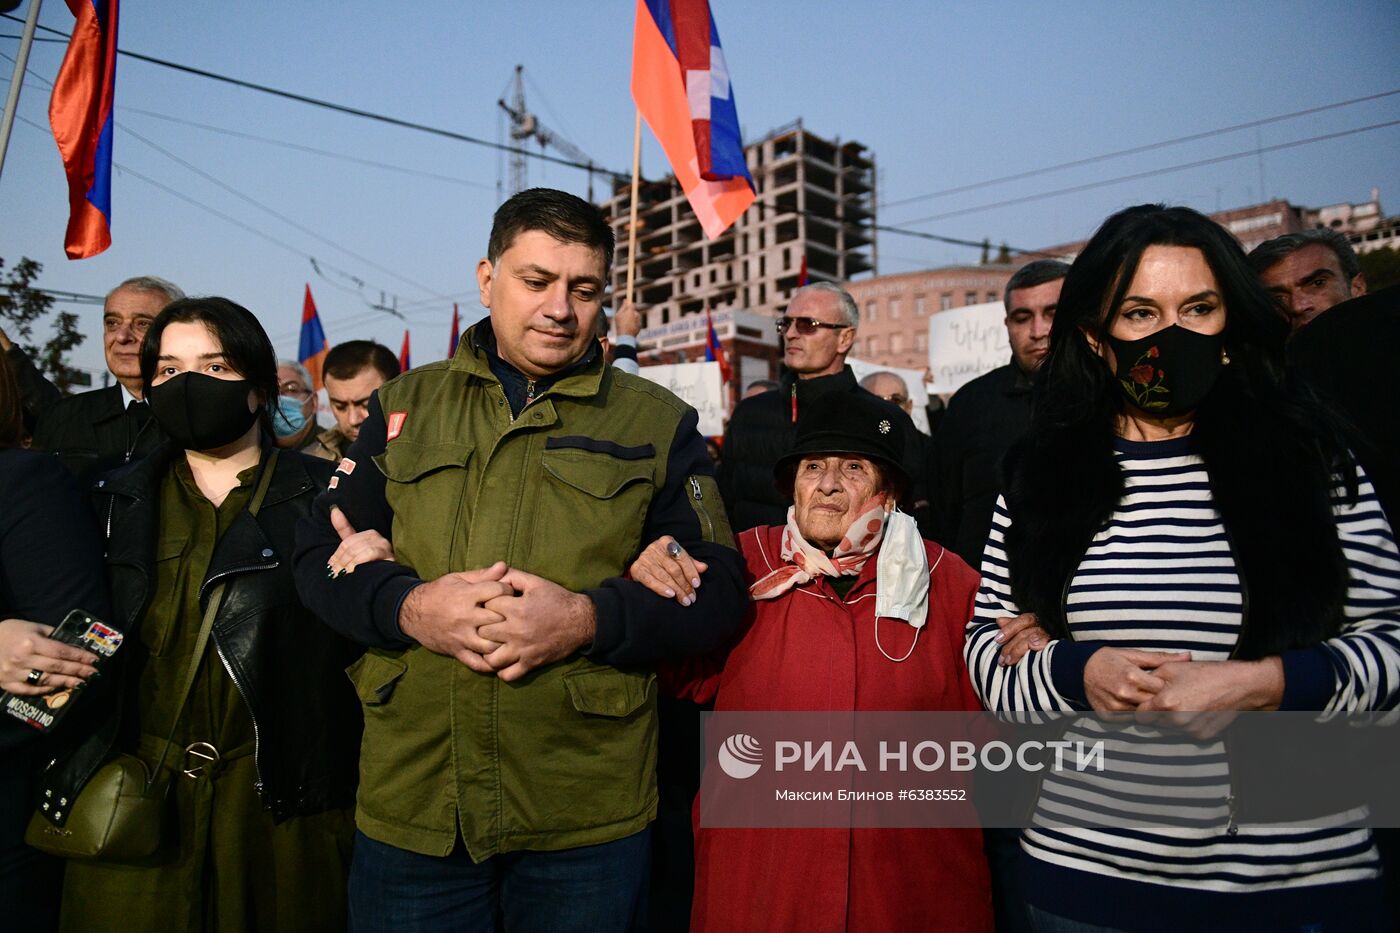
(496, 620)
(1199, 697)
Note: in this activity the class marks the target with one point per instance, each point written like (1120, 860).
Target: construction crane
(525, 126)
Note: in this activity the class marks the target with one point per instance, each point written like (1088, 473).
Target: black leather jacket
(288, 666)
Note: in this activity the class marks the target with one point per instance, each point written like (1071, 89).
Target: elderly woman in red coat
(822, 634)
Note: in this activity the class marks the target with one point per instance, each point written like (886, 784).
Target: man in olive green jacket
(508, 764)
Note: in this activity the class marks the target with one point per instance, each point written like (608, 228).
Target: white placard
(913, 381)
(964, 343)
(751, 370)
(700, 386)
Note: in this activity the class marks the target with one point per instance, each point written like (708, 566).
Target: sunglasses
(806, 326)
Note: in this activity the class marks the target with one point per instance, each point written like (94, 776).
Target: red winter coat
(811, 650)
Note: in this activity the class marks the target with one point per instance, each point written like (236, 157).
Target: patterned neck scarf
(803, 563)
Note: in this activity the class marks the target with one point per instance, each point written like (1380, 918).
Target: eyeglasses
(896, 398)
(806, 326)
(295, 390)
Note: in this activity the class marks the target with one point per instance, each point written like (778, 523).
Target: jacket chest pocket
(425, 487)
(169, 596)
(597, 501)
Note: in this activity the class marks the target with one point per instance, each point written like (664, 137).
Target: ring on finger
(673, 548)
(34, 678)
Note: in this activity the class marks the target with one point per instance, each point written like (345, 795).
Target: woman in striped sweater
(1189, 534)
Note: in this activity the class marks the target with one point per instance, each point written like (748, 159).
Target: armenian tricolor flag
(680, 83)
(312, 349)
(714, 350)
(80, 112)
(456, 333)
(404, 363)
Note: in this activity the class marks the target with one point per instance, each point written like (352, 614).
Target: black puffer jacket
(762, 431)
(288, 666)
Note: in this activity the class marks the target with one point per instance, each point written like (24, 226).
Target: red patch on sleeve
(347, 466)
(396, 420)
(335, 481)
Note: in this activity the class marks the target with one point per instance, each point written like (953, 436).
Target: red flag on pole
(802, 272)
(80, 112)
(404, 364)
(456, 333)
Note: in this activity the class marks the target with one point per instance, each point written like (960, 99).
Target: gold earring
(1224, 357)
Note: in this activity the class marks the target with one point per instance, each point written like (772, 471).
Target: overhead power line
(1135, 150)
(346, 109)
(77, 298)
(1248, 153)
(270, 211)
(312, 150)
(920, 234)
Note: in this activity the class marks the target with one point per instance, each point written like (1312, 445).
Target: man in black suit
(92, 432)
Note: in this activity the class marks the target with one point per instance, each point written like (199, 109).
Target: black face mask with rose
(1170, 372)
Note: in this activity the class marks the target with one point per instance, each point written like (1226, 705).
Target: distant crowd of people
(440, 665)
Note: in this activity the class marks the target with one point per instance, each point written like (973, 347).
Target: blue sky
(945, 94)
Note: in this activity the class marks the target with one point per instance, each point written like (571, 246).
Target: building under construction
(815, 200)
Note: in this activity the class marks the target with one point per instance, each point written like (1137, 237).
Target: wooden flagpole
(632, 217)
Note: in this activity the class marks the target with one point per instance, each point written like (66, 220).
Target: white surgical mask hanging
(901, 578)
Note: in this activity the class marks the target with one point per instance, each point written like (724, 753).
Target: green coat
(594, 468)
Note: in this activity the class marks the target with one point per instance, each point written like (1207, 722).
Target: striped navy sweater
(1159, 575)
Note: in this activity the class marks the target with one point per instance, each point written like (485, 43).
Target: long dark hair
(11, 407)
(244, 343)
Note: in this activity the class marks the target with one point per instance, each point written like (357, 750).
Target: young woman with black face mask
(1182, 530)
(260, 747)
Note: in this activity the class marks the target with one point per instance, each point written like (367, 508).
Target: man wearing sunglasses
(818, 331)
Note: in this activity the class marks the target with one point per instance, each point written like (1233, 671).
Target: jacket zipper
(700, 507)
(529, 398)
(257, 765)
(219, 650)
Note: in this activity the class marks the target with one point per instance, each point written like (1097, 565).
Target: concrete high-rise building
(815, 200)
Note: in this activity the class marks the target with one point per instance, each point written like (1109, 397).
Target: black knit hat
(848, 423)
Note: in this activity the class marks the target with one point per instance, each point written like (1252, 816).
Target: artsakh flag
(456, 333)
(404, 364)
(80, 112)
(680, 84)
(802, 272)
(714, 350)
(312, 349)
